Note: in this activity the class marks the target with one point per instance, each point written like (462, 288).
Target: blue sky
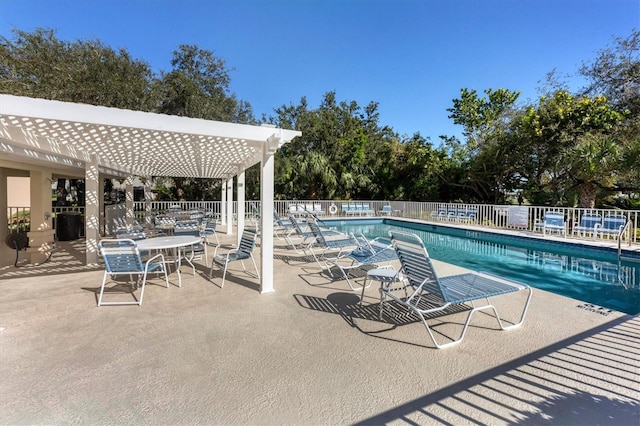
(410, 56)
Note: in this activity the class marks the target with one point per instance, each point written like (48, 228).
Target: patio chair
(122, 257)
(452, 213)
(440, 214)
(295, 209)
(423, 293)
(192, 227)
(281, 225)
(587, 225)
(131, 233)
(611, 226)
(368, 252)
(367, 210)
(467, 215)
(385, 211)
(243, 252)
(318, 210)
(209, 236)
(552, 222)
(299, 229)
(328, 241)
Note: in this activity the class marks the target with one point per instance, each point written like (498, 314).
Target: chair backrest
(554, 218)
(187, 227)
(317, 208)
(134, 233)
(316, 231)
(590, 220)
(247, 243)
(415, 262)
(121, 255)
(165, 220)
(278, 219)
(386, 209)
(296, 225)
(210, 224)
(614, 222)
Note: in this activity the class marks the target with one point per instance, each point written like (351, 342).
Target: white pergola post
(128, 189)
(223, 203)
(266, 218)
(92, 209)
(241, 210)
(229, 185)
(148, 198)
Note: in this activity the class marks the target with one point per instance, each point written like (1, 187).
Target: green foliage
(39, 65)
(564, 148)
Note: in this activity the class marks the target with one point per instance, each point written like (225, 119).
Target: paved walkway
(304, 354)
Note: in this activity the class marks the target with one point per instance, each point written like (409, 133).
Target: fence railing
(511, 217)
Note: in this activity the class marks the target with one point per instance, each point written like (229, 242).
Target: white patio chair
(122, 257)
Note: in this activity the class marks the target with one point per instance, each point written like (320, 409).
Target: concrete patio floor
(304, 354)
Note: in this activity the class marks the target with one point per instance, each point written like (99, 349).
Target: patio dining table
(170, 242)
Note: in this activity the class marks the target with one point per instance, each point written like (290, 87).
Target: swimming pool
(582, 272)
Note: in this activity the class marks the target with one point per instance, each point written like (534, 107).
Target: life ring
(333, 209)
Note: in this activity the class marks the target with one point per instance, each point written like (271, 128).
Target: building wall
(18, 192)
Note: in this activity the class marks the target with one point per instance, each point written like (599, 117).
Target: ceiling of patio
(130, 142)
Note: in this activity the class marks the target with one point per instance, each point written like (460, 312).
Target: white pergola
(42, 138)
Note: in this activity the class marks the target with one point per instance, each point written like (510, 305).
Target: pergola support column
(223, 203)
(148, 198)
(129, 213)
(229, 185)
(266, 219)
(241, 210)
(93, 192)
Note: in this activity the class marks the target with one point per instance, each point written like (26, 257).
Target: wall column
(4, 204)
(41, 236)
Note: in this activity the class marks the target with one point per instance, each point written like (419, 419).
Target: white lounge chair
(587, 225)
(552, 222)
(422, 292)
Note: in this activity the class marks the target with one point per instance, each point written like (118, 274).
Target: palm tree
(317, 174)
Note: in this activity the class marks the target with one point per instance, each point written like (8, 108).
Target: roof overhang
(131, 142)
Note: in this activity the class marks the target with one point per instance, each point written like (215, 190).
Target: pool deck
(306, 353)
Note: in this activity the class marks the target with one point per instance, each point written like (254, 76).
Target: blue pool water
(581, 272)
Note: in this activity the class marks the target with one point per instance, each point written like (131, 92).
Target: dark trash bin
(68, 226)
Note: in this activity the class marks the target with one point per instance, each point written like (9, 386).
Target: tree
(40, 65)
(571, 141)
(615, 74)
(487, 151)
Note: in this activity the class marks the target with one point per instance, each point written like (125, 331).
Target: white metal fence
(482, 215)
